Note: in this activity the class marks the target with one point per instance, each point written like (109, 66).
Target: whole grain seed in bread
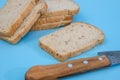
(50, 25)
(27, 23)
(71, 40)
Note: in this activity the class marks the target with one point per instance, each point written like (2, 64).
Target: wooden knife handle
(67, 68)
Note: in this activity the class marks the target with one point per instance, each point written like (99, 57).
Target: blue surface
(15, 60)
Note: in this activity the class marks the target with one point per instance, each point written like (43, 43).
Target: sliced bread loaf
(12, 15)
(27, 23)
(50, 25)
(61, 7)
(71, 40)
(56, 14)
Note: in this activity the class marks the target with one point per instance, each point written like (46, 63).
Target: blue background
(15, 60)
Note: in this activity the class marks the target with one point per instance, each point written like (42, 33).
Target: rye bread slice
(61, 7)
(72, 40)
(27, 23)
(12, 15)
(50, 25)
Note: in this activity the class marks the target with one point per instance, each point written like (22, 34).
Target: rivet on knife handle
(67, 68)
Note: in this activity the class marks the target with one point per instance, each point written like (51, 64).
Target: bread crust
(54, 19)
(60, 13)
(50, 25)
(74, 53)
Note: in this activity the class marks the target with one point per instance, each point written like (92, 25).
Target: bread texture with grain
(61, 7)
(13, 14)
(71, 40)
(27, 23)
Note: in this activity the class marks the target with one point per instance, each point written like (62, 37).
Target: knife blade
(55, 71)
(113, 56)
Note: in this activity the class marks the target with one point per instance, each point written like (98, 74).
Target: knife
(56, 71)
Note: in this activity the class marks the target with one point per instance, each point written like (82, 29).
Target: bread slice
(61, 7)
(54, 19)
(72, 40)
(27, 23)
(50, 25)
(12, 15)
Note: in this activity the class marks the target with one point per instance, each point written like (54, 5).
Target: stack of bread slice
(60, 12)
(18, 16)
